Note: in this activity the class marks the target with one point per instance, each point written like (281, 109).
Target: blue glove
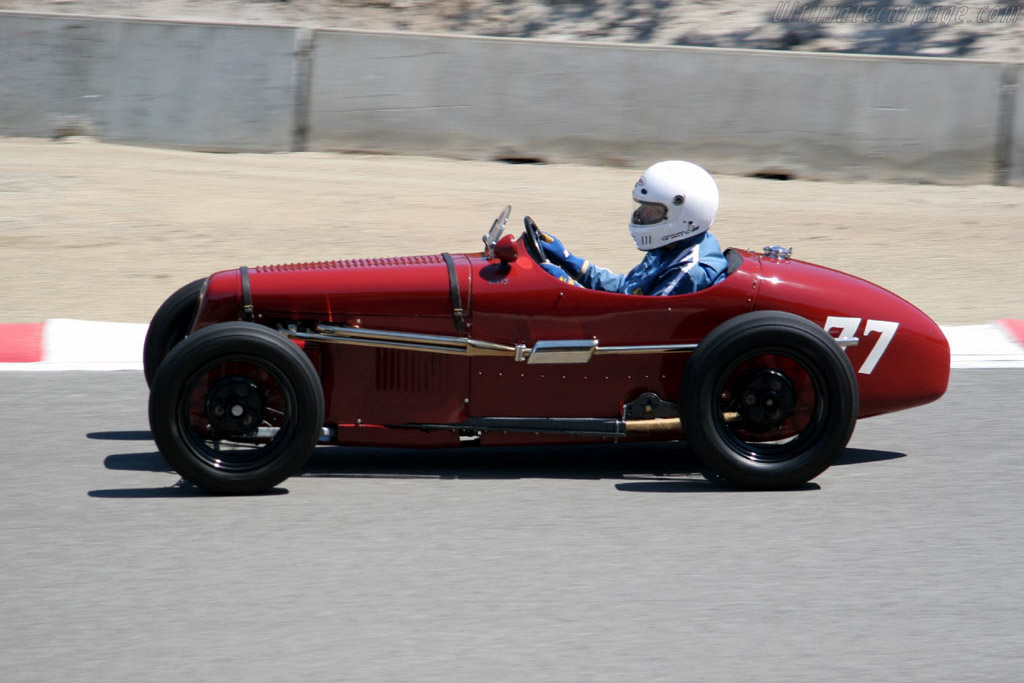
(558, 273)
(559, 255)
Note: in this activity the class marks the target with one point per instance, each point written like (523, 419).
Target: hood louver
(353, 263)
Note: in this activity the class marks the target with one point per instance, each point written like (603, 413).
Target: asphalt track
(903, 562)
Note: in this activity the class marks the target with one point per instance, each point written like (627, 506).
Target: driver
(677, 205)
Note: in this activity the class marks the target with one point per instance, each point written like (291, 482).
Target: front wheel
(768, 400)
(170, 324)
(236, 408)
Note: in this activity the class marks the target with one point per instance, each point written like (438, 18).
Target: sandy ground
(96, 231)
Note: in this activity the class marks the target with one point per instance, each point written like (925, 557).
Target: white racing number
(848, 328)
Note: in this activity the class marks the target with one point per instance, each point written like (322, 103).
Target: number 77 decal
(848, 328)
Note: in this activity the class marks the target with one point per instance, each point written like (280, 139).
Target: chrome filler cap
(778, 253)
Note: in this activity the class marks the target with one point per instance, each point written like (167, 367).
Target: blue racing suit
(681, 268)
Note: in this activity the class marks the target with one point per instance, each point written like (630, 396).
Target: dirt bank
(990, 29)
(90, 230)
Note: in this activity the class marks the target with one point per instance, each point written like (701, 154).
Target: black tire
(768, 400)
(170, 324)
(216, 388)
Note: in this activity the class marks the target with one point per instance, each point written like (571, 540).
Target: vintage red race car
(762, 375)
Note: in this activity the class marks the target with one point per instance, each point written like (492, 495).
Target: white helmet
(677, 200)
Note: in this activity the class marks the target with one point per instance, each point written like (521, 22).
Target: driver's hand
(559, 255)
(560, 274)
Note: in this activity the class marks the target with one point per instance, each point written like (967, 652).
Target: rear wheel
(769, 400)
(236, 408)
(170, 324)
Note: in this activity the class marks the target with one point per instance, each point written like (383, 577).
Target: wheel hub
(767, 400)
(234, 406)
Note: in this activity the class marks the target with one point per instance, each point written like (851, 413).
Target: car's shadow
(140, 435)
(649, 468)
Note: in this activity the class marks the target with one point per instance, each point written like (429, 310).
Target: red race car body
(487, 348)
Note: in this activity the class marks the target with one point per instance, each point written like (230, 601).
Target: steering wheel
(531, 239)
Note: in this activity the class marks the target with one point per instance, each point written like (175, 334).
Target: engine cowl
(341, 292)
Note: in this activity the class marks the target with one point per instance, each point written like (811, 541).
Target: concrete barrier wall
(1015, 162)
(737, 111)
(247, 88)
(194, 86)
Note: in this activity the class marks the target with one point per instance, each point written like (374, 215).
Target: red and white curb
(63, 344)
(998, 345)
